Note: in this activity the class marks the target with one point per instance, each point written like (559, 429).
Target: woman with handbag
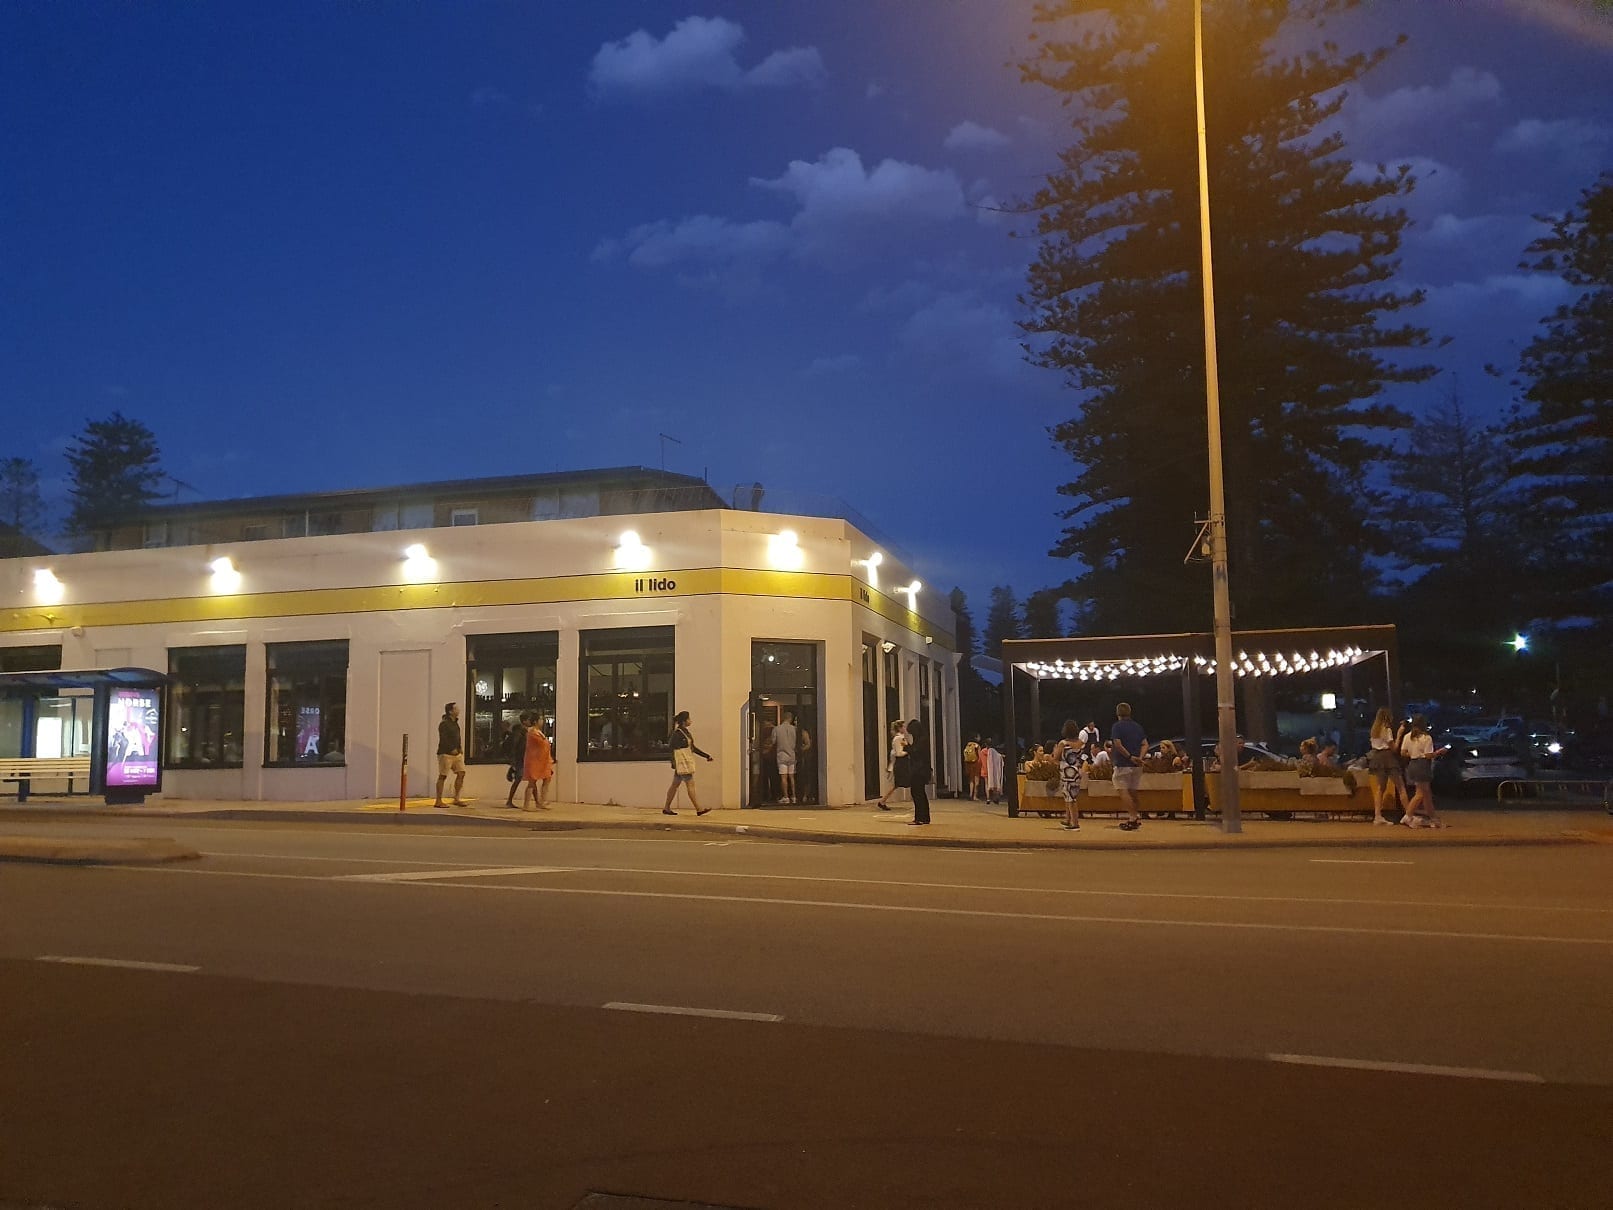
(681, 742)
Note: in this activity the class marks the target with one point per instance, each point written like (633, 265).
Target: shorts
(786, 764)
(447, 764)
(1420, 772)
(1128, 777)
(683, 777)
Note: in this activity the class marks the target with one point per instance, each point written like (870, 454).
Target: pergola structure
(1256, 653)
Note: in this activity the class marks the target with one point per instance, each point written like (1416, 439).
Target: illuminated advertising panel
(133, 747)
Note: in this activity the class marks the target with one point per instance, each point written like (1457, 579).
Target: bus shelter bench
(25, 770)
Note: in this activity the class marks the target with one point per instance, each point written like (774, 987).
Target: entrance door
(873, 734)
(406, 707)
(784, 680)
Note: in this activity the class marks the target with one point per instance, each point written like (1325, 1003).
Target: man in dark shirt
(450, 754)
(1130, 743)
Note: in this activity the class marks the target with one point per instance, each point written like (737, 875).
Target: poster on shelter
(132, 724)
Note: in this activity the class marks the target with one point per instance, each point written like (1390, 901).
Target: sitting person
(1307, 752)
(1329, 755)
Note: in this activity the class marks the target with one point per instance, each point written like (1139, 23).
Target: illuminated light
(911, 591)
(48, 590)
(418, 565)
(784, 550)
(871, 566)
(1520, 642)
(226, 578)
(929, 640)
(1330, 701)
(631, 553)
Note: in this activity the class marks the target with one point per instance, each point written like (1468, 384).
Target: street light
(1520, 642)
(1226, 709)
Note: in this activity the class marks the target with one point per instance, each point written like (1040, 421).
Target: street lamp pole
(1226, 711)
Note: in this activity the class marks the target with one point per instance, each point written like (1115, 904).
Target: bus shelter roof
(33, 683)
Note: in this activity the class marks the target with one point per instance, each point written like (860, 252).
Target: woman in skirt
(901, 778)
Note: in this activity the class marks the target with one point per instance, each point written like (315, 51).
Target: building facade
(297, 664)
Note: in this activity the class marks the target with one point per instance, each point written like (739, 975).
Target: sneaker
(1377, 822)
(1072, 827)
(1130, 825)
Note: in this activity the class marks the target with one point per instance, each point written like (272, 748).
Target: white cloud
(959, 328)
(1574, 141)
(835, 191)
(823, 367)
(1511, 232)
(699, 52)
(972, 136)
(1417, 109)
(702, 239)
(1439, 186)
(1532, 293)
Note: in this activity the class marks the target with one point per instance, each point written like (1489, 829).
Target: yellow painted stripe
(611, 586)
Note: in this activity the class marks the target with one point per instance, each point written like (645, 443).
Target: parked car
(1252, 750)
(1491, 762)
(1548, 743)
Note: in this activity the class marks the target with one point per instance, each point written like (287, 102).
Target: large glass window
(507, 675)
(307, 704)
(626, 686)
(206, 707)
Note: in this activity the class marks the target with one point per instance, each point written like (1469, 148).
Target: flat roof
(82, 678)
(1273, 653)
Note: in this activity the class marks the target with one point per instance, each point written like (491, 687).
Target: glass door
(784, 694)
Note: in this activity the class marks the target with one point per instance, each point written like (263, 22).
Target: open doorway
(784, 691)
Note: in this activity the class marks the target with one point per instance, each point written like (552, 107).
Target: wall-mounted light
(48, 590)
(871, 566)
(929, 640)
(912, 593)
(887, 646)
(784, 550)
(631, 553)
(225, 577)
(418, 565)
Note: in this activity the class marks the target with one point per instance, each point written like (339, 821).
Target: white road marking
(973, 913)
(1415, 1069)
(724, 1014)
(124, 963)
(1352, 861)
(499, 871)
(340, 860)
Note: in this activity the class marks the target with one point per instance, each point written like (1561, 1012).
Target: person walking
(971, 766)
(1418, 749)
(537, 767)
(683, 751)
(1129, 744)
(991, 771)
(450, 754)
(898, 764)
(1383, 763)
(919, 772)
(1069, 755)
(515, 753)
(784, 740)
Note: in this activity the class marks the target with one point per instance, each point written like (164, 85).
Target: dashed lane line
(501, 871)
(122, 963)
(722, 1014)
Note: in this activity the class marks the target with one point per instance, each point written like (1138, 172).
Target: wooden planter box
(1285, 793)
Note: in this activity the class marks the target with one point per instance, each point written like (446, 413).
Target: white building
(305, 636)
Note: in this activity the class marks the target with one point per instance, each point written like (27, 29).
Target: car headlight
(1554, 748)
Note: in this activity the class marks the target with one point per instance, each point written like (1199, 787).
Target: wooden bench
(25, 770)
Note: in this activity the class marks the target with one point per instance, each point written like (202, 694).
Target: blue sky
(345, 244)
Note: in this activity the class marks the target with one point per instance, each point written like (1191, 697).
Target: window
(254, 533)
(626, 686)
(155, 534)
(31, 659)
(324, 524)
(206, 707)
(507, 675)
(307, 704)
(464, 516)
(893, 685)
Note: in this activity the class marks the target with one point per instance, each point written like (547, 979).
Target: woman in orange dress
(538, 769)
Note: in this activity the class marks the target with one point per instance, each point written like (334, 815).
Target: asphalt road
(393, 1016)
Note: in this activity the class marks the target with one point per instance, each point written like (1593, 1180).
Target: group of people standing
(910, 768)
(1078, 749)
(1399, 755)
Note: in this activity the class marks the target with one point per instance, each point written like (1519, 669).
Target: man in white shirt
(784, 736)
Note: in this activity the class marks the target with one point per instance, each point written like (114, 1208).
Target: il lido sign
(655, 584)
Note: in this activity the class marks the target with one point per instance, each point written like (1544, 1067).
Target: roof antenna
(665, 437)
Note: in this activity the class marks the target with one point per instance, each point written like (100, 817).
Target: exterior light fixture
(418, 565)
(1330, 701)
(887, 646)
(1520, 642)
(48, 590)
(929, 640)
(631, 553)
(226, 578)
(911, 591)
(784, 550)
(871, 566)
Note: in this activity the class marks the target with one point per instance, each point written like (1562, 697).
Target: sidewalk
(957, 823)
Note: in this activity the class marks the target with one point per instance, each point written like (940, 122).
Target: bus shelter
(1096, 659)
(102, 727)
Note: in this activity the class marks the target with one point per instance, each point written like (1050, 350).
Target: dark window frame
(189, 692)
(538, 653)
(653, 649)
(329, 704)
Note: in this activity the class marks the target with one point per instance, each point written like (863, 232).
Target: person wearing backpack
(971, 766)
(515, 755)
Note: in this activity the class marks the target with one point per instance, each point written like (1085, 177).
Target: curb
(48, 851)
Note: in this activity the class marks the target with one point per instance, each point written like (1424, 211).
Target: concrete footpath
(956, 823)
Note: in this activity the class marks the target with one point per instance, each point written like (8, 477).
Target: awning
(80, 678)
(1255, 653)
